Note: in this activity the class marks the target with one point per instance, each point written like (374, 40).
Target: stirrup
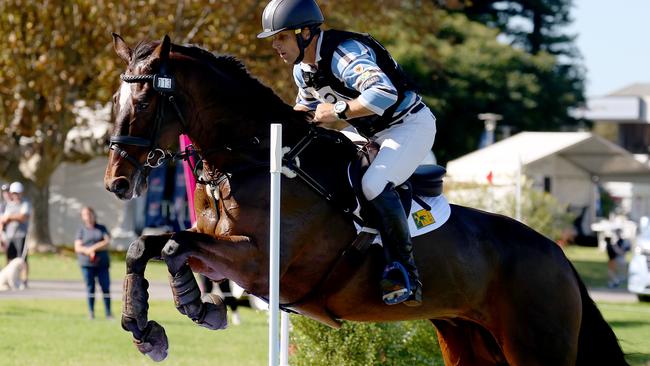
(415, 296)
(395, 284)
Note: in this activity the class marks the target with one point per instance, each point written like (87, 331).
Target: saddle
(426, 181)
(353, 162)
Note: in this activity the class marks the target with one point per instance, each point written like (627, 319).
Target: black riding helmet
(280, 15)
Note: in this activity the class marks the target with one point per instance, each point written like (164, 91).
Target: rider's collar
(310, 68)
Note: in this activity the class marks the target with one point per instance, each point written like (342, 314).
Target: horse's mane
(226, 66)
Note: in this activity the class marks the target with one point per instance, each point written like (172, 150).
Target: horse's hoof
(214, 316)
(154, 342)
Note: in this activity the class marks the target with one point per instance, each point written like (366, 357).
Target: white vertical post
(284, 340)
(274, 243)
(518, 191)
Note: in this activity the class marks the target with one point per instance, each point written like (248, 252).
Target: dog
(10, 275)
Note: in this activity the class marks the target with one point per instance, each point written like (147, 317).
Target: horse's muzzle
(120, 187)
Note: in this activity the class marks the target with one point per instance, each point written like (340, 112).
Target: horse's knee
(135, 258)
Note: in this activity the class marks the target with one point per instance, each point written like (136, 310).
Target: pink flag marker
(190, 182)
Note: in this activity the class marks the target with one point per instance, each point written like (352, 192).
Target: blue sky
(614, 39)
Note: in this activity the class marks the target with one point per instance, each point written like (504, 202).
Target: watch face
(340, 106)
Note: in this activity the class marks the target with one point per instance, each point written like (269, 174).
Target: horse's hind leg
(149, 336)
(540, 322)
(208, 311)
(466, 343)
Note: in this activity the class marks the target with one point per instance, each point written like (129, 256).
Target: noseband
(165, 86)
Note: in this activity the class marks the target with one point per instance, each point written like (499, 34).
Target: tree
(537, 27)
(540, 29)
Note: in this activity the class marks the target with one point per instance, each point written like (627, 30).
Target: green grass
(631, 324)
(591, 264)
(57, 332)
(63, 266)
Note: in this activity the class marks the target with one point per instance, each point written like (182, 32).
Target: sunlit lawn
(631, 323)
(57, 332)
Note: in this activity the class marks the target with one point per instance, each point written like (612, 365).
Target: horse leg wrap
(154, 342)
(134, 304)
(209, 311)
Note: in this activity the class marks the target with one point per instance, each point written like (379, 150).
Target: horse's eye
(139, 107)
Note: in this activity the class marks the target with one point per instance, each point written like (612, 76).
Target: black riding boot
(396, 238)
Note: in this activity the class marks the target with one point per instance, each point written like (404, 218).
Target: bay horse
(497, 292)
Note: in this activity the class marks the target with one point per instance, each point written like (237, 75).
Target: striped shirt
(355, 64)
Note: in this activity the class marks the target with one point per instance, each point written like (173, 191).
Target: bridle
(165, 85)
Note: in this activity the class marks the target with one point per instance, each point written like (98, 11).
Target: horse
(497, 292)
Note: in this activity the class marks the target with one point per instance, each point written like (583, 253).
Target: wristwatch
(339, 109)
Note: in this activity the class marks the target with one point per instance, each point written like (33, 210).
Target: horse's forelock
(142, 51)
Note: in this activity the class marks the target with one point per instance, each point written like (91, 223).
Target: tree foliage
(536, 27)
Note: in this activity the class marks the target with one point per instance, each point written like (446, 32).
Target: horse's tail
(597, 343)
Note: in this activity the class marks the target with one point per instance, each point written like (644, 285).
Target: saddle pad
(422, 221)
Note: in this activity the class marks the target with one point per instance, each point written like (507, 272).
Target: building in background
(568, 165)
(623, 117)
(163, 208)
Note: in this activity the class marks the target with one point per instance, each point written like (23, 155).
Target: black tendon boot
(396, 238)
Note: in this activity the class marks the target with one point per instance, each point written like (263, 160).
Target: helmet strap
(303, 44)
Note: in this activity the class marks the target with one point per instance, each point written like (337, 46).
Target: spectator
(15, 221)
(91, 247)
(616, 266)
(6, 197)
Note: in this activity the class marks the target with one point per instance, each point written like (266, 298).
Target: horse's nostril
(120, 186)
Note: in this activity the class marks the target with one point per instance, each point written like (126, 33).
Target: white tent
(558, 154)
(75, 185)
(566, 164)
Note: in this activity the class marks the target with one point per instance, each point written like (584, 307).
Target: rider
(350, 76)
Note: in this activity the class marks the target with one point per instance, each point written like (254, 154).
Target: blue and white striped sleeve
(304, 97)
(356, 65)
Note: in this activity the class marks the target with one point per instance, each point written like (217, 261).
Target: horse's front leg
(148, 336)
(208, 311)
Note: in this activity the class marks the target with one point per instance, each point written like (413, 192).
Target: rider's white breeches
(402, 148)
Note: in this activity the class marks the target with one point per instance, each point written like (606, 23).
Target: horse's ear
(121, 48)
(162, 51)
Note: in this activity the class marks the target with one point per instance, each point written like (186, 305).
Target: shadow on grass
(636, 358)
(629, 323)
(13, 311)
